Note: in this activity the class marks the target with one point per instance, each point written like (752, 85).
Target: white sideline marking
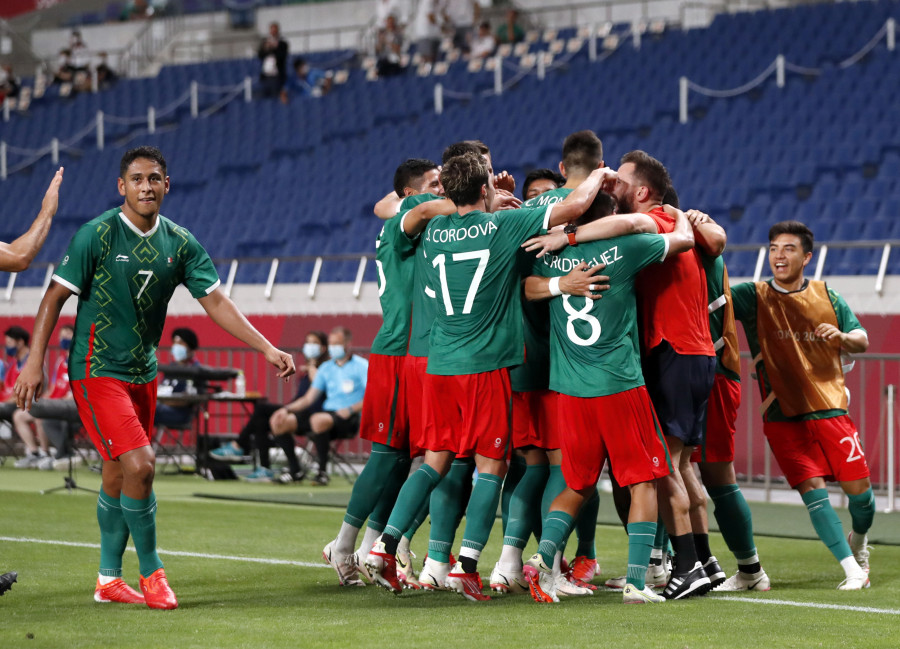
(786, 602)
(174, 553)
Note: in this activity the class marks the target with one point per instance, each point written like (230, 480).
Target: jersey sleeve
(78, 265)
(200, 276)
(393, 232)
(743, 297)
(847, 320)
(319, 383)
(648, 248)
(523, 223)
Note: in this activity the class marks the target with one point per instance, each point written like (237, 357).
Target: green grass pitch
(233, 602)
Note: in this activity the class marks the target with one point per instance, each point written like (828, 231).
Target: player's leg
(583, 568)
(447, 505)
(405, 571)
(113, 540)
(642, 521)
(517, 468)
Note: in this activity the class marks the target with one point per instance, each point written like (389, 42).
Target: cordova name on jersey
(566, 265)
(440, 235)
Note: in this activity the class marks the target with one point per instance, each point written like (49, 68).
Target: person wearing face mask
(16, 352)
(342, 381)
(175, 415)
(256, 434)
(38, 433)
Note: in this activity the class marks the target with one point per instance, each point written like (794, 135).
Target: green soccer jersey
(124, 279)
(478, 321)
(715, 289)
(422, 295)
(534, 373)
(744, 297)
(394, 261)
(594, 347)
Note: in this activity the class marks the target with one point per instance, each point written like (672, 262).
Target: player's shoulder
(416, 199)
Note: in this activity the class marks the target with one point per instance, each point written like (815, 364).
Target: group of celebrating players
(534, 353)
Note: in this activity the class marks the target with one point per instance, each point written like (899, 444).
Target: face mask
(179, 352)
(336, 352)
(312, 350)
(65, 344)
(11, 351)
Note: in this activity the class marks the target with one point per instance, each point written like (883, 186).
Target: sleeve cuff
(67, 284)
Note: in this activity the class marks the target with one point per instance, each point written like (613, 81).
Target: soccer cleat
(687, 584)
(860, 549)
(631, 595)
(714, 571)
(383, 568)
(508, 581)
(321, 479)
(358, 559)
(261, 474)
(467, 584)
(740, 581)
(617, 583)
(569, 588)
(855, 583)
(344, 566)
(405, 572)
(286, 477)
(541, 583)
(30, 461)
(117, 591)
(657, 575)
(583, 569)
(7, 580)
(434, 575)
(227, 453)
(157, 592)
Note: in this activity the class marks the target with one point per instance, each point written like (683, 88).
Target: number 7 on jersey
(439, 262)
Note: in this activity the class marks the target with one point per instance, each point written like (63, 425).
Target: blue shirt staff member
(343, 382)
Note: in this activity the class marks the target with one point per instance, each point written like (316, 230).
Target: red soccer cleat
(117, 591)
(157, 592)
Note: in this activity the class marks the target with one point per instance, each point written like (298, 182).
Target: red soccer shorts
(620, 426)
(469, 414)
(385, 419)
(534, 420)
(118, 416)
(721, 419)
(414, 379)
(826, 448)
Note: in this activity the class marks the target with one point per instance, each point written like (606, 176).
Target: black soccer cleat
(715, 573)
(688, 584)
(6, 581)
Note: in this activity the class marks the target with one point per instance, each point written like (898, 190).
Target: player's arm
(29, 383)
(224, 313)
(608, 227)
(414, 221)
(709, 235)
(388, 206)
(855, 342)
(577, 203)
(681, 239)
(18, 255)
(581, 280)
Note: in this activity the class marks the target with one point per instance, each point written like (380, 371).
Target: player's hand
(607, 178)
(505, 182)
(585, 281)
(282, 361)
(51, 197)
(829, 332)
(29, 385)
(504, 200)
(696, 217)
(550, 242)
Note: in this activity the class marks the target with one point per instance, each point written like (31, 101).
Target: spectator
(106, 76)
(9, 83)
(306, 81)
(273, 52)
(37, 442)
(385, 9)
(427, 29)
(342, 380)
(80, 56)
(389, 48)
(483, 42)
(459, 18)
(175, 414)
(65, 71)
(16, 350)
(256, 433)
(138, 10)
(511, 31)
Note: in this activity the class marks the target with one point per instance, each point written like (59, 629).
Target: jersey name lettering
(567, 265)
(461, 234)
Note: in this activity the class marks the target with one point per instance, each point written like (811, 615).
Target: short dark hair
(796, 228)
(463, 177)
(671, 198)
(650, 171)
(582, 150)
(541, 174)
(410, 171)
(603, 205)
(465, 146)
(18, 333)
(148, 152)
(321, 336)
(299, 62)
(188, 336)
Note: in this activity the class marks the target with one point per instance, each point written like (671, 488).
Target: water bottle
(240, 385)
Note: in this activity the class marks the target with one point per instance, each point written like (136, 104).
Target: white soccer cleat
(740, 581)
(566, 588)
(405, 571)
(344, 566)
(631, 595)
(860, 549)
(434, 575)
(508, 581)
(855, 583)
(541, 582)
(657, 575)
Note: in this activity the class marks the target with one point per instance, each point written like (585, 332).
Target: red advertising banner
(11, 8)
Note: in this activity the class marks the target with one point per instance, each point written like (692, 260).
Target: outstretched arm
(388, 206)
(18, 255)
(608, 227)
(224, 313)
(577, 203)
(417, 218)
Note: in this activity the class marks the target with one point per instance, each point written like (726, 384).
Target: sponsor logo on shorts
(655, 461)
(498, 443)
(380, 426)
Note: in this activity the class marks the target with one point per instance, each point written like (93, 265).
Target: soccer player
(385, 418)
(715, 454)
(476, 335)
(797, 329)
(17, 256)
(540, 181)
(124, 266)
(603, 408)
